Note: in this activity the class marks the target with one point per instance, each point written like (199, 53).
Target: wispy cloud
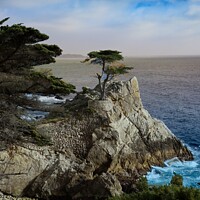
(132, 26)
(194, 10)
(29, 3)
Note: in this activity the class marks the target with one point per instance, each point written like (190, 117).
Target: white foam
(30, 115)
(173, 162)
(163, 169)
(190, 164)
(189, 170)
(45, 99)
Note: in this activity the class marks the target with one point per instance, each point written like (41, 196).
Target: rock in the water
(99, 149)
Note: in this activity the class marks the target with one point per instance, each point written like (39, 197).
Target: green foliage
(4, 20)
(13, 129)
(174, 191)
(105, 56)
(55, 85)
(20, 51)
(19, 48)
(177, 180)
(171, 192)
(85, 90)
(107, 59)
(40, 139)
(116, 68)
(142, 184)
(43, 71)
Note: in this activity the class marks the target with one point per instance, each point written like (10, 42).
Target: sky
(134, 27)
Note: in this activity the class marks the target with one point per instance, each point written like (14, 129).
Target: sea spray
(189, 170)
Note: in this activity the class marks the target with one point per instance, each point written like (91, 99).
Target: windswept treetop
(19, 48)
(20, 51)
(108, 60)
(104, 56)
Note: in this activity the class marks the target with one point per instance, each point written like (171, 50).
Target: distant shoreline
(71, 56)
(80, 56)
(58, 58)
(167, 56)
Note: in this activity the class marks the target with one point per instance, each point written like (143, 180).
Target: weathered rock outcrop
(99, 149)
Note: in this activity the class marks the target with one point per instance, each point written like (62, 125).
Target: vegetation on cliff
(174, 191)
(108, 59)
(20, 50)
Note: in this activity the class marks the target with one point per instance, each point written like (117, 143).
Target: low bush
(174, 191)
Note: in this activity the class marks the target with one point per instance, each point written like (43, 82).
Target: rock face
(99, 149)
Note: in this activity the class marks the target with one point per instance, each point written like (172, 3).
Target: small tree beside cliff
(109, 61)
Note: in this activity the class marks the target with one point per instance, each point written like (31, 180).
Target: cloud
(194, 10)
(107, 25)
(132, 26)
(28, 3)
(93, 16)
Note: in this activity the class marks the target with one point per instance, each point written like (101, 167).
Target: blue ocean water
(170, 91)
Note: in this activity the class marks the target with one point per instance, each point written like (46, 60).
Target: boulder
(99, 149)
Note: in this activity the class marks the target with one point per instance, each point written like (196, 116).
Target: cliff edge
(99, 149)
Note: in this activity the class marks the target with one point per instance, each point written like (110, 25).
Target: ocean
(170, 91)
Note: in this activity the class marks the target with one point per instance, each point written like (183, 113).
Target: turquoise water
(189, 170)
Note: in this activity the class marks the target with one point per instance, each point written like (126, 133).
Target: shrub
(142, 184)
(174, 191)
(177, 180)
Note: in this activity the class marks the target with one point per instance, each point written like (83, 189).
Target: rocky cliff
(98, 149)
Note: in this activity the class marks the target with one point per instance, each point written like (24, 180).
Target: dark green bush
(174, 191)
(171, 192)
(142, 184)
(52, 84)
(177, 180)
